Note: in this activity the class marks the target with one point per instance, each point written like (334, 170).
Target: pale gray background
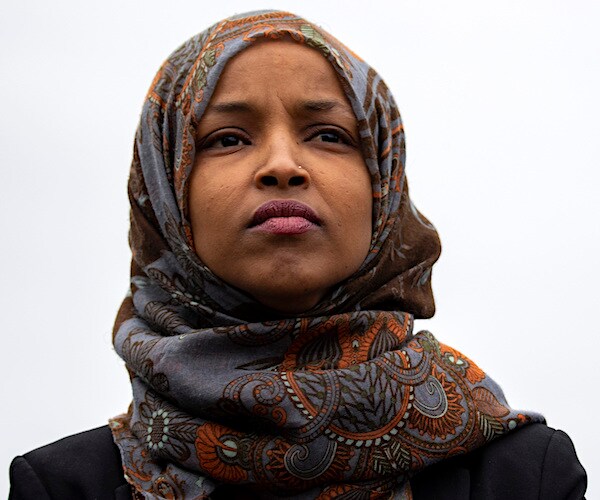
(501, 107)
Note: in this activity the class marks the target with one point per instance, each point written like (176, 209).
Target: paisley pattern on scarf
(342, 401)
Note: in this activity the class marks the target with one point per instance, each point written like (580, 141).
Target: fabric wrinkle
(341, 399)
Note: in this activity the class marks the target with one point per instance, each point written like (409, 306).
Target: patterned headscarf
(227, 394)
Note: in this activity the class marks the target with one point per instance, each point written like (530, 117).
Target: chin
(289, 301)
(289, 286)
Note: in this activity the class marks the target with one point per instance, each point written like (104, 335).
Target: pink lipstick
(284, 217)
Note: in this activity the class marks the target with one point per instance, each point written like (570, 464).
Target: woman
(278, 264)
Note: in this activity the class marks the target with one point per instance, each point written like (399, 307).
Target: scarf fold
(341, 401)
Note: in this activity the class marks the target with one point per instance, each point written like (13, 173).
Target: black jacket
(535, 462)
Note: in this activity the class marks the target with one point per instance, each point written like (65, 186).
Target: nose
(280, 167)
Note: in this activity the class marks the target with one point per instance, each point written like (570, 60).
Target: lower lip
(285, 225)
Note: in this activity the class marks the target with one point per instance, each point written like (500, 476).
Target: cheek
(360, 199)
(208, 202)
(356, 208)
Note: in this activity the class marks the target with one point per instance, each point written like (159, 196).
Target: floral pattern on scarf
(341, 401)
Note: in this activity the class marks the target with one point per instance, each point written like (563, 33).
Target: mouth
(284, 217)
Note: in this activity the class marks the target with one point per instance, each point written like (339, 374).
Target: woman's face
(280, 198)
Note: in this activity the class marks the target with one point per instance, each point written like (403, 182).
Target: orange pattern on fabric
(354, 345)
(353, 491)
(283, 476)
(211, 448)
(473, 373)
(449, 421)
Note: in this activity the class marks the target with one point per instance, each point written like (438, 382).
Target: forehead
(280, 65)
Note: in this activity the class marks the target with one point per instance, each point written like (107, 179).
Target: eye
(331, 136)
(227, 141)
(224, 140)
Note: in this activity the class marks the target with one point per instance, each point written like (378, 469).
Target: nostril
(268, 180)
(297, 180)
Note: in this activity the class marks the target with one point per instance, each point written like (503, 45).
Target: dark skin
(280, 129)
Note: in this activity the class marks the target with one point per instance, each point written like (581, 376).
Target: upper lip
(284, 208)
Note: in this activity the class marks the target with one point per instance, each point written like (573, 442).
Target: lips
(284, 217)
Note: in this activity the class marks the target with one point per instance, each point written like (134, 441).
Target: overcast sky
(501, 108)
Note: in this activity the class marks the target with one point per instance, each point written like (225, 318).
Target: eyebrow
(323, 105)
(231, 107)
(315, 105)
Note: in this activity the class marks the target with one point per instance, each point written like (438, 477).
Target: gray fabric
(340, 400)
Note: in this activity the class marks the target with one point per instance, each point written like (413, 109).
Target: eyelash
(343, 136)
(212, 140)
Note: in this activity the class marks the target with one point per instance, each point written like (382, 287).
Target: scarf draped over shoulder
(341, 401)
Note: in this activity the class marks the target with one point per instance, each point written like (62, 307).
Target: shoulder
(535, 461)
(85, 465)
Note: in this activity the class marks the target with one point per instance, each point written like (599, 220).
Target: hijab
(338, 401)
